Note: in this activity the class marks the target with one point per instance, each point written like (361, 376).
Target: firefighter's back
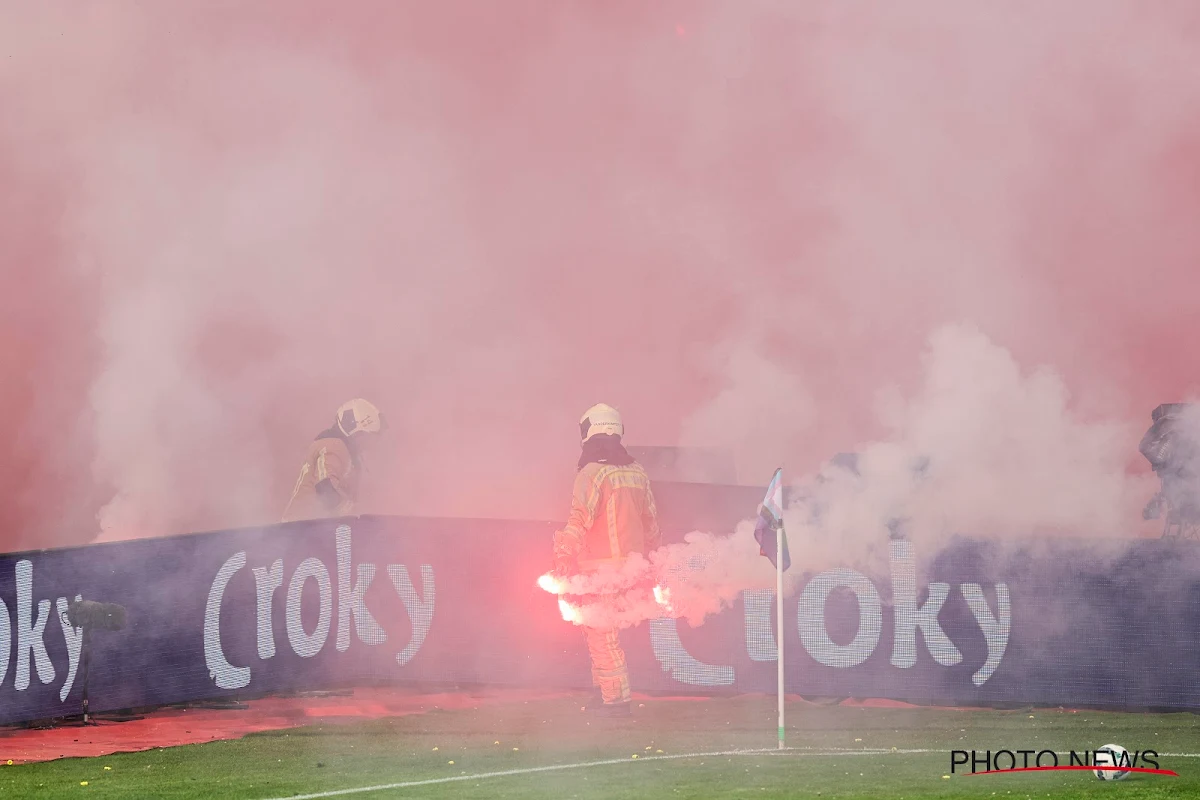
(625, 515)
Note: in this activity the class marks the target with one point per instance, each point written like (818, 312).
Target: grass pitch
(548, 748)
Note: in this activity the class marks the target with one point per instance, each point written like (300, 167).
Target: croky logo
(1108, 762)
(351, 607)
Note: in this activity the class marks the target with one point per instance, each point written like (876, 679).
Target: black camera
(93, 615)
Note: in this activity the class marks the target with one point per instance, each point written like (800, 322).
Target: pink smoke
(222, 220)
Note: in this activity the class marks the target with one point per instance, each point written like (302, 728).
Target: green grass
(549, 732)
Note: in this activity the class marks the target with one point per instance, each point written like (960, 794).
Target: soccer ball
(1111, 755)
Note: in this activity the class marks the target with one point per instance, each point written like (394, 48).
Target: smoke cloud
(739, 223)
(981, 449)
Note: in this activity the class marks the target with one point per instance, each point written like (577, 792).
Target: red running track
(169, 727)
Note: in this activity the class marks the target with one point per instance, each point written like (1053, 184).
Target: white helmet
(359, 416)
(601, 419)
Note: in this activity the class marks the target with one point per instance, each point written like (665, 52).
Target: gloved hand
(565, 566)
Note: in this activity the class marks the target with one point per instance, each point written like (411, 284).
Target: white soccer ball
(1111, 755)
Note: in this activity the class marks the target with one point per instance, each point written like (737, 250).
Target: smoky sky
(744, 224)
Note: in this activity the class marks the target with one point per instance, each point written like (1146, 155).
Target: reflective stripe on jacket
(328, 483)
(612, 515)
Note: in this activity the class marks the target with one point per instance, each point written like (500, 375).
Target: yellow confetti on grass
(83, 783)
(108, 768)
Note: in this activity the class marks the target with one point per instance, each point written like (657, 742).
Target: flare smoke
(982, 449)
(222, 220)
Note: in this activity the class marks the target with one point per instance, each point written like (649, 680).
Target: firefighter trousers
(609, 671)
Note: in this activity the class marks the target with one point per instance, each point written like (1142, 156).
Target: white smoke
(981, 450)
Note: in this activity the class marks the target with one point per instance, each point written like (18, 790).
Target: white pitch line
(852, 751)
(829, 752)
(582, 765)
(876, 751)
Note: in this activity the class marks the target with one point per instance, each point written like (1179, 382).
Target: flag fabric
(770, 518)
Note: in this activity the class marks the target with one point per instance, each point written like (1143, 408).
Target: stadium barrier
(386, 599)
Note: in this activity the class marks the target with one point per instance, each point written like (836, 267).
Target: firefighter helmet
(359, 416)
(600, 419)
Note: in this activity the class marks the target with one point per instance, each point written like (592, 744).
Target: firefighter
(329, 478)
(612, 516)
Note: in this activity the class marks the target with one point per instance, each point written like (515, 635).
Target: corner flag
(772, 543)
(770, 520)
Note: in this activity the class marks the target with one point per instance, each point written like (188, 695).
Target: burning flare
(556, 586)
(551, 584)
(662, 596)
(569, 612)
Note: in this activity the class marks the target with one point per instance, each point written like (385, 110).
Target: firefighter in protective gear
(612, 516)
(329, 478)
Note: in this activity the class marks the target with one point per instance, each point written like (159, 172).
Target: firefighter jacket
(328, 482)
(612, 515)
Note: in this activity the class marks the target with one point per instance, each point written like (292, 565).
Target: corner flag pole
(779, 618)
